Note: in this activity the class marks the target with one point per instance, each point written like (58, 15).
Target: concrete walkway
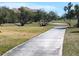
(46, 44)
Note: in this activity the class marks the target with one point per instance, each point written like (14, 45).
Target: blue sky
(47, 6)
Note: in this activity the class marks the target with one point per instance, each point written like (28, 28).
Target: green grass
(12, 35)
(73, 22)
(58, 21)
(71, 42)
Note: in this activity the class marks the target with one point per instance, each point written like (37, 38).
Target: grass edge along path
(7, 42)
(71, 42)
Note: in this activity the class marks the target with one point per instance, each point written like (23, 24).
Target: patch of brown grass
(10, 36)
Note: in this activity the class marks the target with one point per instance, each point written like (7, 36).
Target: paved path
(46, 44)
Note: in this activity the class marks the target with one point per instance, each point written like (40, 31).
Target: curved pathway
(46, 44)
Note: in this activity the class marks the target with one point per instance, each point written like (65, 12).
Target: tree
(1, 16)
(41, 17)
(13, 17)
(65, 15)
(52, 16)
(76, 7)
(37, 15)
(25, 16)
(44, 18)
(4, 13)
(69, 12)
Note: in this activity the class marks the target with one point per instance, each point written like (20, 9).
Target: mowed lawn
(12, 35)
(71, 41)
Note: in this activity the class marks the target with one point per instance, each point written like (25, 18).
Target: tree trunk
(78, 21)
(22, 24)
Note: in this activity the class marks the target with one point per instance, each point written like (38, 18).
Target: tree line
(24, 16)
